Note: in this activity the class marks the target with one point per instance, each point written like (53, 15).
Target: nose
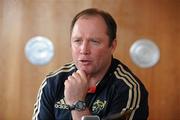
(85, 48)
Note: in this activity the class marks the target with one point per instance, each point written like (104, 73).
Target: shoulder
(54, 80)
(58, 76)
(65, 69)
(124, 74)
(129, 81)
(130, 87)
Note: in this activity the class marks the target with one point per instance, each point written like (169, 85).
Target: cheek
(74, 52)
(102, 56)
(99, 54)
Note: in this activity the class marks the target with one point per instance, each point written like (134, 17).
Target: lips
(85, 62)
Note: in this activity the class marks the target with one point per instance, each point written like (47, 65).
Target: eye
(95, 41)
(77, 41)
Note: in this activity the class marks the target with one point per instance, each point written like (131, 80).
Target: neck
(96, 78)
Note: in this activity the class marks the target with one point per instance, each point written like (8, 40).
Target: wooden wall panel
(22, 19)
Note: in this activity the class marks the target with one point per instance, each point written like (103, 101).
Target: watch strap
(71, 107)
(79, 105)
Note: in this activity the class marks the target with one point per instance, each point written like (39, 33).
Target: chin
(85, 70)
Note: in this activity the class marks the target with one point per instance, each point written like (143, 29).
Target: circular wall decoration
(39, 50)
(144, 53)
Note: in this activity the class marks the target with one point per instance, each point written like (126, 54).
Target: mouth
(85, 62)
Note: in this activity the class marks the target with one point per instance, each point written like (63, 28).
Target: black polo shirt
(118, 92)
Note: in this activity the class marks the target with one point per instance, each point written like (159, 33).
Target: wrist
(79, 106)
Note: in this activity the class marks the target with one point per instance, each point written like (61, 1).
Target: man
(95, 83)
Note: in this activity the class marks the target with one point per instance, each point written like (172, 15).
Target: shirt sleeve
(129, 104)
(44, 106)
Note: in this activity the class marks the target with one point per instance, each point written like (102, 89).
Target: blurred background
(21, 20)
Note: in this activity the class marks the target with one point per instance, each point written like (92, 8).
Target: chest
(98, 103)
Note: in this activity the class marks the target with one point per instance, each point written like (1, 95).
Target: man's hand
(76, 87)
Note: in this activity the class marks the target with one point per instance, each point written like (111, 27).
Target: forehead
(94, 23)
(96, 17)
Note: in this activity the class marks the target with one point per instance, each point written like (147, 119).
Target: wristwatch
(79, 106)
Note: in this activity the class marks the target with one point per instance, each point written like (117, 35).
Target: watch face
(80, 105)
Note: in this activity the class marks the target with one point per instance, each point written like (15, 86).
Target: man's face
(90, 45)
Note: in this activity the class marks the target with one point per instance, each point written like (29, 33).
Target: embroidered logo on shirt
(61, 104)
(98, 106)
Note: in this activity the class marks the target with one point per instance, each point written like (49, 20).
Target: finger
(71, 80)
(77, 76)
(82, 74)
(66, 84)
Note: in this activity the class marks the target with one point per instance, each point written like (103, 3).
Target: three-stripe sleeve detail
(37, 105)
(134, 89)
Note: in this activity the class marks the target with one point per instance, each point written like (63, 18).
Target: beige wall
(23, 19)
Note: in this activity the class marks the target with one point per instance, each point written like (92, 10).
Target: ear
(113, 46)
